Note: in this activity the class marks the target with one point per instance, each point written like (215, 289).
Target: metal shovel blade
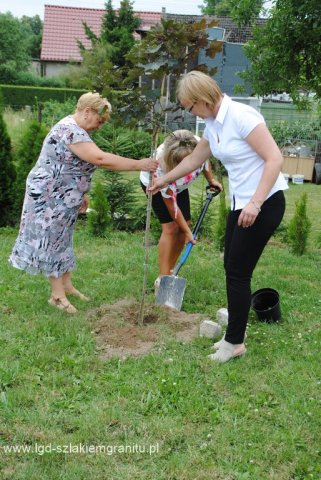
(171, 291)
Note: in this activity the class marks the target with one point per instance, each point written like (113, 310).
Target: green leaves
(285, 53)
(158, 62)
(299, 227)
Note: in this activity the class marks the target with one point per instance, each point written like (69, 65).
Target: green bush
(53, 111)
(123, 141)
(299, 227)
(120, 194)
(285, 133)
(26, 156)
(99, 216)
(28, 78)
(8, 175)
(18, 96)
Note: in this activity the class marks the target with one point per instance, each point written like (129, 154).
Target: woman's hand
(148, 164)
(214, 184)
(84, 205)
(158, 184)
(248, 215)
(189, 237)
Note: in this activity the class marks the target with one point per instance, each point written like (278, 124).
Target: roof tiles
(63, 28)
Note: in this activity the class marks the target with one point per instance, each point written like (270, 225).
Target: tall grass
(17, 123)
(255, 418)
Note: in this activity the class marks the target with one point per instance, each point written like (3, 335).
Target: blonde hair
(197, 86)
(95, 101)
(177, 146)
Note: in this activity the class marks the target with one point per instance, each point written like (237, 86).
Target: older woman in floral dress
(55, 194)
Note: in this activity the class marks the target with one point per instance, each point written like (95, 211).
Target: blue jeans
(243, 248)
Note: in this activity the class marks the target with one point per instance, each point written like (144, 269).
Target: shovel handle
(183, 258)
(210, 195)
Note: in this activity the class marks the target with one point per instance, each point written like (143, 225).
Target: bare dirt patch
(119, 333)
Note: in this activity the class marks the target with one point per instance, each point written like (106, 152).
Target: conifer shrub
(120, 192)
(99, 215)
(126, 142)
(299, 227)
(7, 177)
(26, 156)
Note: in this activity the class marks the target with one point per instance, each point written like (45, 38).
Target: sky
(30, 8)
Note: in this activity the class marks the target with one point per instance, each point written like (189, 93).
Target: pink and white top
(172, 189)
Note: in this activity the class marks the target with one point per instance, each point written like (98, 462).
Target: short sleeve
(248, 121)
(71, 134)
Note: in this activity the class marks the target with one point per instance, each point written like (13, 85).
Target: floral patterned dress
(54, 193)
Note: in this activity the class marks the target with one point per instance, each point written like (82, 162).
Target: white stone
(222, 316)
(210, 329)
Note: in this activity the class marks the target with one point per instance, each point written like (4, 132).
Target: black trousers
(243, 248)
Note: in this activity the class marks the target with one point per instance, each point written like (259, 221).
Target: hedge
(18, 96)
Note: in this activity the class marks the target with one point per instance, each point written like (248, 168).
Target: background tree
(14, 49)
(96, 71)
(217, 7)
(103, 61)
(158, 61)
(242, 11)
(245, 12)
(285, 53)
(33, 27)
(7, 178)
(118, 29)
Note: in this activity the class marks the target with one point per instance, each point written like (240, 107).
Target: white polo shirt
(226, 135)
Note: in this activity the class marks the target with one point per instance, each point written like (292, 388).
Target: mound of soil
(119, 332)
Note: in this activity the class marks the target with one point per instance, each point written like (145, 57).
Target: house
(63, 28)
(232, 58)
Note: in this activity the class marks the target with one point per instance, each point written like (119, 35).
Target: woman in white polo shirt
(236, 134)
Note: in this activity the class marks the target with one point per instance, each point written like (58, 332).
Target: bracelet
(256, 205)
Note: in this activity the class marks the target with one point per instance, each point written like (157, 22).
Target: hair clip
(186, 143)
(103, 109)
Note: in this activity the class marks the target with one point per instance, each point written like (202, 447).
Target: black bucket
(266, 304)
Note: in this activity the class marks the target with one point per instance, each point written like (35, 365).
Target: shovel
(171, 288)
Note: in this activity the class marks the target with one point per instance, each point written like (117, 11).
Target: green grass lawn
(256, 418)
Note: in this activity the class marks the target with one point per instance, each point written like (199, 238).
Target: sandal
(78, 294)
(62, 304)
